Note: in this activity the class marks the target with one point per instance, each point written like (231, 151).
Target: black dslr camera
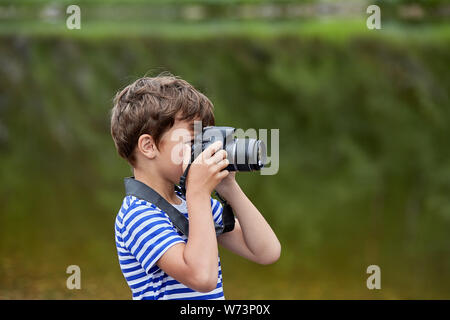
(243, 154)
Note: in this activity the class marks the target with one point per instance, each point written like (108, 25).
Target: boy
(151, 120)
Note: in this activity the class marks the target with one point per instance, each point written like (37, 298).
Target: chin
(176, 178)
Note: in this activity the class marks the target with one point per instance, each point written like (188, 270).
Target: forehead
(187, 125)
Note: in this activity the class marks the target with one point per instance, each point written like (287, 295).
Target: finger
(223, 174)
(217, 157)
(222, 164)
(212, 149)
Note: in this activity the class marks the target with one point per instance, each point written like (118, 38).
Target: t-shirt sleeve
(148, 234)
(216, 208)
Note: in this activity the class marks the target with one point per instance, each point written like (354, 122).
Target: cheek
(172, 156)
(175, 154)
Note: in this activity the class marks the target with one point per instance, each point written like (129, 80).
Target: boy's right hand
(206, 170)
(195, 263)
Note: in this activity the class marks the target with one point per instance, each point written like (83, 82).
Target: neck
(164, 187)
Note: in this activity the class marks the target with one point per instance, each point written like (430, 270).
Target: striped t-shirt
(143, 234)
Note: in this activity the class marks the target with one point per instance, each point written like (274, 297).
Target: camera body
(245, 154)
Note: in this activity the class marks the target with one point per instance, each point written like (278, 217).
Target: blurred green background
(363, 116)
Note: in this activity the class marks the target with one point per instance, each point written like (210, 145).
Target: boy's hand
(226, 185)
(207, 169)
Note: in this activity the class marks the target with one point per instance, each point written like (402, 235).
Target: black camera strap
(183, 179)
(227, 213)
(140, 190)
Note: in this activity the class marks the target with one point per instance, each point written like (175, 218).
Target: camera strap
(227, 213)
(140, 190)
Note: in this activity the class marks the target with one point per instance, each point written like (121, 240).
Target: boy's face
(174, 144)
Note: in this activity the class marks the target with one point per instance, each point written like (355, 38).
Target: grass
(328, 29)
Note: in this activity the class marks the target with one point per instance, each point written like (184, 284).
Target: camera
(245, 154)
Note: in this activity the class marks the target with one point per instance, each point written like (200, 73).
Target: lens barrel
(246, 154)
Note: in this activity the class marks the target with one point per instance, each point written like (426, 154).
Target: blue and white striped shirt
(143, 234)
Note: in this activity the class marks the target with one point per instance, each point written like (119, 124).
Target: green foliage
(364, 158)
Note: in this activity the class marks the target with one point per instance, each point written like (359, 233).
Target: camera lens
(246, 155)
(256, 153)
(261, 154)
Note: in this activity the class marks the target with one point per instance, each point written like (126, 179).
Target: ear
(147, 146)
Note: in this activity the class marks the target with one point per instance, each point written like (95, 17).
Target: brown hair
(150, 106)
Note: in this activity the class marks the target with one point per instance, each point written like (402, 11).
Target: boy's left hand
(226, 185)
